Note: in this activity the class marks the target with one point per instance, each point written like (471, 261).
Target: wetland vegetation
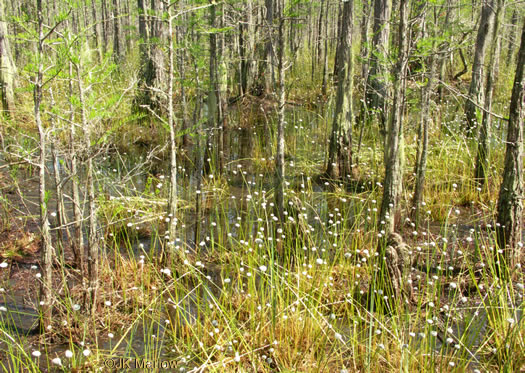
(262, 186)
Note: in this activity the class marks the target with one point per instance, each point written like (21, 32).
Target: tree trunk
(318, 36)
(325, 55)
(364, 55)
(512, 37)
(183, 100)
(212, 96)
(393, 181)
(172, 198)
(279, 159)
(93, 244)
(449, 4)
(385, 288)
(96, 29)
(46, 287)
(117, 47)
(78, 242)
(482, 166)
(422, 151)
(151, 96)
(60, 208)
(265, 70)
(510, 205)
(7, 67)
(377, 90)
(365, 21)
(475, 94)
(222, 88)
(340, 149)
(243, 71)
(104, 25)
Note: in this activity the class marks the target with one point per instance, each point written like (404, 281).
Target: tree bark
(512, 37)
(324, 84)
(183, 100)
(393, 181)
(340, 148)
(212, 95)
(96, 29)
(476, 90)
(377, 90)
(104, 25)
(222, 91)
(510, 205)
(422, 151)
(365, 21)
(482, 166)
(46, 287)
(78, 242)
(265, 74)
(62, 219)
(279, 159)
(117, 47)
(152, 85)
(172, 198)
(385, 288)
(7, 67)
(93, 244)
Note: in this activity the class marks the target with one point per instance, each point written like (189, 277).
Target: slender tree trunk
(172, 199)
(198, 173)
(127, 26)
(60, 208)
(269, 77)
(222, 87)
(198, 153)
(385, 289)
(266, 65)
(152, 85)
(319, 35)
(377, 91)
(183, 99)
(475, 94)
(449, 4)
(279, 159)
(7, 67)
(393, 182)
(325, 55)
(212, 96)
(96, 29)
(104, 25)
(243, 78)
(422, 151)
(512, 37)
(143, 31)
(46, 288)
(482, 166)
(117, 48)
(365, 21)
(365, 63)
(93, 244)
(510, 201)
(78, 243)
(250, 31)
(340, 149)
